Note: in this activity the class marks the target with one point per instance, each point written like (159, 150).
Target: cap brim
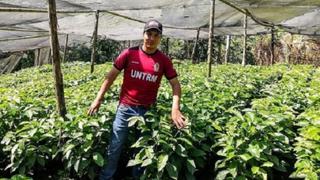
(152, 28)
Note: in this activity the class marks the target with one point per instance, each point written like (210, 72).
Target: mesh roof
(295, 16)
(123, 20)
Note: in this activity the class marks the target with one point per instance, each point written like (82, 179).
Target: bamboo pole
(54, 42)
(226, 57)
(245, 23)
(272, 46)
(94, 42)
(211, 32)
(195, 47)
(65, 48)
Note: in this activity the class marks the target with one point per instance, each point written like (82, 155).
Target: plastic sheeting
(296, 16)
(123, 20)
(33, 41)
(118, 20)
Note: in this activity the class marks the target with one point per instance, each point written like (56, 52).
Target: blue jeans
(119, 136)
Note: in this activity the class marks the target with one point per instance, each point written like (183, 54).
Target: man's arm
(176, 115)
(109, 79)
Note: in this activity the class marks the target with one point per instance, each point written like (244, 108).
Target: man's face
(151, 39)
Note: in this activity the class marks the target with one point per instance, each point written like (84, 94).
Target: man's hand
(94, 108)
(178, 119)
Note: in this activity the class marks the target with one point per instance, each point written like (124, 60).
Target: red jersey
(142, 75)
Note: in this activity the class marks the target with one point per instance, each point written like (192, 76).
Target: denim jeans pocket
(123, 107)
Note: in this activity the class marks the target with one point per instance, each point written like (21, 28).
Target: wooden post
(65, 48)
(167, 46)
(56, 59)
(211, 31)
(259, 50)
(272, 46)
(226, 57)
(37, 57)
(94, 42)
(123, 44)
(195, 47)
(186, 49)
(189, 48)
(219, 51)
(245, 21)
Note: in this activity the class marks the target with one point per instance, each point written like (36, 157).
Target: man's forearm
(103, 89)
(176, 102)
(108, 81)
(177, 117)
(176, 90)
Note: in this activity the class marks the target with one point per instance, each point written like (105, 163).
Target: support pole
(94, 42)
(189, 48)
(219, 51)
(54, 42)
(226, 57)
(245, 21)
(123, 44)
(167, 47)
(211, 31)
(259, 51)
(195, 47)
(65, 48)
(37, 57)
(186, 49)
(272, 46)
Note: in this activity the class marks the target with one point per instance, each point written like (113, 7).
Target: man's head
(152, 35)
(153, 25)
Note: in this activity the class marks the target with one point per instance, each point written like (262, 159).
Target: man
(143, 69)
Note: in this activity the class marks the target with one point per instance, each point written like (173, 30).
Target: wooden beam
(54, 42)
(94, 41)
(211, 32)
(245, 23)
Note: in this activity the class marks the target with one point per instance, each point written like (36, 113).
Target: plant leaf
(98, 159)
(162, 161)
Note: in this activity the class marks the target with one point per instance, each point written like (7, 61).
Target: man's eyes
(154, 35)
